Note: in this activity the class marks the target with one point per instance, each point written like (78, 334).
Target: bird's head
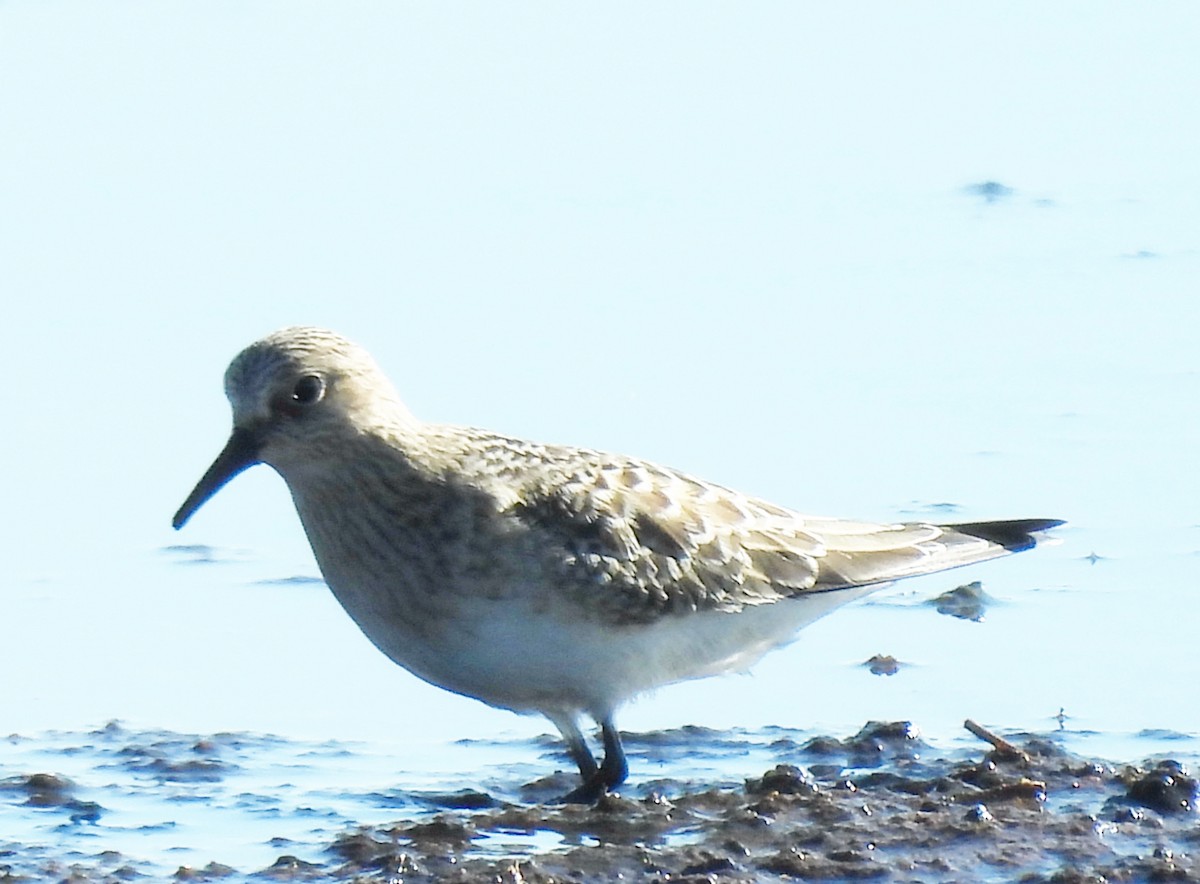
(295, 394)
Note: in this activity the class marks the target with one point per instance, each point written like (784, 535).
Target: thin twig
(1001, 745)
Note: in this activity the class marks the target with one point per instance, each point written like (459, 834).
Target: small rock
(979, 814)
(1167, 788)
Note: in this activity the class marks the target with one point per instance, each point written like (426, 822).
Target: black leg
(615, 768)
(577, 746)
(611, 773)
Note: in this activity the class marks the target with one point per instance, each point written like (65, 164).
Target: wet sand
(878, 806)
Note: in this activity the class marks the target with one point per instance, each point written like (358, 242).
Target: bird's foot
(589, 791)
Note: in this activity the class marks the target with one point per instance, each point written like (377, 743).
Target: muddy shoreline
(877, 806)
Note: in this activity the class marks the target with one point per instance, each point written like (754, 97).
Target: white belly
(511, 656)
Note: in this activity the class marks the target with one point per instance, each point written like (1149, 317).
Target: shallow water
(117, 803)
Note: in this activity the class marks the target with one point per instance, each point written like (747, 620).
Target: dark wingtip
(1014, 535)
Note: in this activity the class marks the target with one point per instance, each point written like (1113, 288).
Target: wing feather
(644, 540)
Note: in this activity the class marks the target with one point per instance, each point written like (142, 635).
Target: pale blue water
(154, 803)
(757, 250)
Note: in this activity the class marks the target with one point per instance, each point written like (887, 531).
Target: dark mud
(878, 806)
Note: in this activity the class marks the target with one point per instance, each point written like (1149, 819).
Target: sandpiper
(545, 578)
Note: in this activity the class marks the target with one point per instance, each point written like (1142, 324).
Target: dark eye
(308, 390)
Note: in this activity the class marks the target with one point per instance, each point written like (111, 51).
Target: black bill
(240, 452)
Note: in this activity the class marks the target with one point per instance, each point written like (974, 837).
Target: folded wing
(655, 541)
